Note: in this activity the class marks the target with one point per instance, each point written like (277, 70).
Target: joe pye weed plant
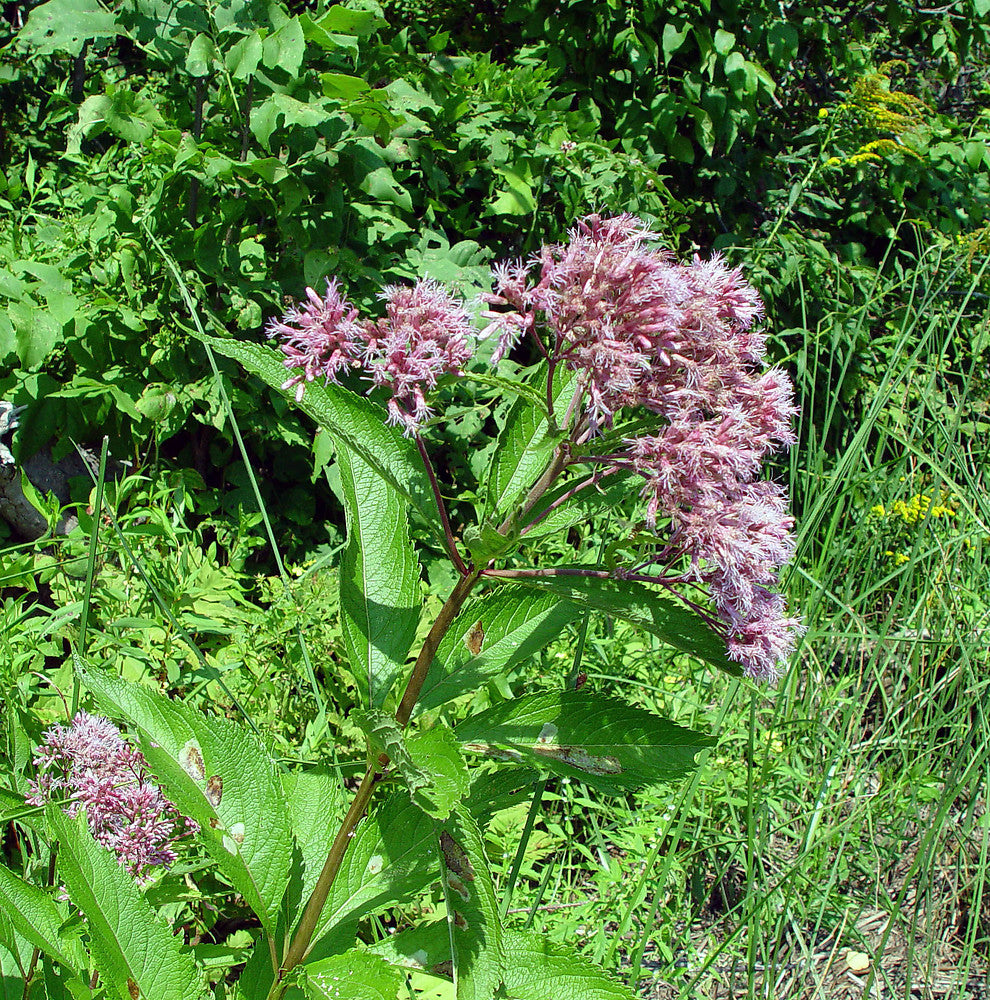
(650, 392)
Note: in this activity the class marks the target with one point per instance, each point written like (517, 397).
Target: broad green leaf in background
(473, 922)
(134, 950)
(201, 56)
(35, 916)
(634, 602)
(284, 48)
(389, 860)
(524, 445)
(379, 577)
(355, 975)
(537, 969)
(516, 197)
(491, 634)
(244, 822)
(348, 21)
(243, 57)
(352, 419)
(605, 743)
(66, 25)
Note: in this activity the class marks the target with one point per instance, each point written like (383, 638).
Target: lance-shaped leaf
(583, 506)
(660, 615)
(355, 975)
(581, 734)
(390, 859)
(379, 577)
(490, 635)
(525, 445)
(316, 805)
(36, 916)
(535, 969)
(352, 419)
(219, 774)
(473, 922)
(136, 953)
(424, 946)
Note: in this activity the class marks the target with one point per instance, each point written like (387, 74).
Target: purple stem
(455, 556)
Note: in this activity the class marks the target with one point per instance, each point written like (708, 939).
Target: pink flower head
(88, 764)
(425, 333)
(320, 336)
(680, 340)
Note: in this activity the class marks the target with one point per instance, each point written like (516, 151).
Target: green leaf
(132, 947)
(609, 745)
(316, 805)
(674, 37)
(724, 41)
(437, 752)
(347, 21)
(473, 922)
(537, 969)
(123, 113)
(374, 176)
(219, 774)
(65, 25)
(352, 419)
(342, 86)
(516, 197)
(201, 56)
(490, 635)
(35, 916)
(243, 57)
(388, 862)
(584, 506)
(525, 445)
(660, 615)
(284, 49)
(30, 332)
(783, 42)
(379, 577)
(355, 975)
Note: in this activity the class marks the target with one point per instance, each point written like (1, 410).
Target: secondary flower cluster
(89, 764)
(679, 340)
(425, 333)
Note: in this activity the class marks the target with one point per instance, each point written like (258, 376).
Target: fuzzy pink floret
(426, 332)
(320, 337)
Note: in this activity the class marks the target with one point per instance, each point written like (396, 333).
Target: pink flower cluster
(679, 340)
(426, 332)
(89, 764)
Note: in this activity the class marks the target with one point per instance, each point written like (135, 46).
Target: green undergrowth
(857, 787)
